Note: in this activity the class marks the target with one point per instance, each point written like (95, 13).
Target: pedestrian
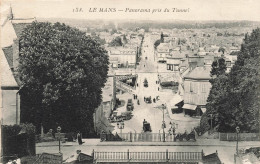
(135, 96)
(137, 84)
(79, 137)
(144, 99)
(158, 88)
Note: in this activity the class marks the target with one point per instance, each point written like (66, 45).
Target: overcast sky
(198, 9)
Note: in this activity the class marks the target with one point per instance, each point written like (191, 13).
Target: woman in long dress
(79, 137)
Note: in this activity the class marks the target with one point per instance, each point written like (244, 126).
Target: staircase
(124, 87)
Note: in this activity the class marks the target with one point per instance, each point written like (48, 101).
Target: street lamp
(120, 125)
(59, 130)
(237, 131)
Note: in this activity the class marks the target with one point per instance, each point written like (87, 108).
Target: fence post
(227, 137)
(167, 159)
(130, 136)
(93, 154)
(128, 155)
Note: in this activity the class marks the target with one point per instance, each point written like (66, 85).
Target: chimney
(15, 47)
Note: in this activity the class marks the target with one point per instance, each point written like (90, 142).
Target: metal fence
(138, 137)
(241, 136)
(148, 156)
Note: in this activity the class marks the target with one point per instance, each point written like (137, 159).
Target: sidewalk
(199, 142)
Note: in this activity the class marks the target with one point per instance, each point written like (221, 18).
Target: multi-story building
(11, 30)
(126, 57)
(196, 90)
(163, 51)
(174, 60)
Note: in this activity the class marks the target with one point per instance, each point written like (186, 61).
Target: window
(194, 87)
(228, 63)
(176, 68)
(203, 87)
(187, 86)
(168, 67)
(191, 87)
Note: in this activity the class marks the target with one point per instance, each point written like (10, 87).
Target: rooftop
(212, 158)
(7, 77)
(199, 73)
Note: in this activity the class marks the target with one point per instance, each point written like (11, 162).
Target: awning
(188, 106)
(203, 110)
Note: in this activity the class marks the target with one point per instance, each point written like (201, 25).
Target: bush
(204, 126)
(71, 136)
(18, 140)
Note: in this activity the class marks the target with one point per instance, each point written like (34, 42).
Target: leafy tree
(162, 38)
(234, 97)
(146, 29)
(124, 39)
(218, 67)
(116, 42)
(113, 31)
(221, 49)
(62, 71)
(157, 43)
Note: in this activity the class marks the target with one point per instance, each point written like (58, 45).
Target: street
(226, 150)
(151, 70)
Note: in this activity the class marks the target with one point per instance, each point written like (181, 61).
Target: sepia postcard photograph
(120, 81)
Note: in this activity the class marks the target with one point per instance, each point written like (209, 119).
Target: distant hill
(169, 24)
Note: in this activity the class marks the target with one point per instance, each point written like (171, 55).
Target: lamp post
(120, 125)
(59, 130)
(237, 131)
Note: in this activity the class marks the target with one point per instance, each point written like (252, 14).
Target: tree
(234, 97)
(62, 71)
(221, 49)
(218, 67)
(157, 43)
(124, 39)
(162, 38)
(113, 31)
(116, 42)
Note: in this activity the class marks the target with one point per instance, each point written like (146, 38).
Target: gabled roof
(177, 54)
(8, 52)
(18, 28)
(211, 158)
(7, 77)
(199, 73)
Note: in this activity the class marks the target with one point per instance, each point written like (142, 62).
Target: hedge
(18, 140)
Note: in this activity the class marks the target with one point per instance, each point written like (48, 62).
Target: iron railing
(148, 156)
(139, 137)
